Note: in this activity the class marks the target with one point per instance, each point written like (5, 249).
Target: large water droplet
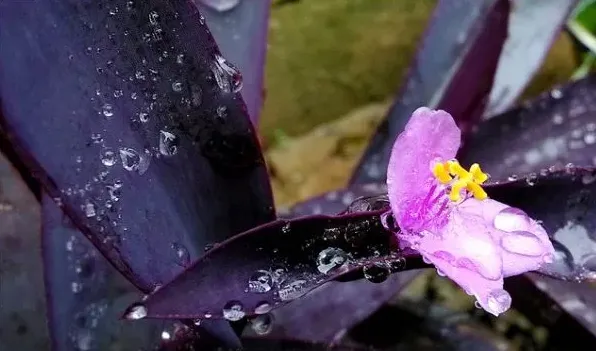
(227, 76)
(233, 311)
(136, 311)
(262, 324)
(376, 272)
(130, 159)
(498, 301)
(260, 282)
(512, 219)
(221, 5)
(108, 157)
(523, 243)
(182, 254)
(263, 307)
(331, 259)
(168, 143)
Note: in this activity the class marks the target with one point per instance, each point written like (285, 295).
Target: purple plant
(138, 138)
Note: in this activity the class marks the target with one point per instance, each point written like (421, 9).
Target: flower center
(453, 174)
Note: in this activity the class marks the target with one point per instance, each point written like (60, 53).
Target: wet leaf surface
(557, 128)
(85, 295)
(241, 34)
(463, 42)
(275, 264)
(130, 118)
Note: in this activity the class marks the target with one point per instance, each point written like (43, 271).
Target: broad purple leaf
(275, 264)
(557, 128)
(85, 295)
(240, 30)
(129, 117)
(22, 305)
(534, 25)
(453, 70)
(564, 200)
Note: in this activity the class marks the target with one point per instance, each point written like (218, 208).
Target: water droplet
(143, 117)
(221, 5)
(512, 219)
(227, 76)
(331, 259)
(76, 287)
(89, 209)
(108, 157)
(181, 254)
(523, 243)
(531, 179)
(108, 110)
(168, 143)
(260, 282)
(477, 305)
(498, 301)
(263, 307)
(177, 87)
(512, 178)
(556, 94)
(589, 178)
(165, 335)
(292, 290)
(396, 264)
(180, 59)
(233, 311)
(222, 112)
(262, 324)
(136, 311)
(130, 159)
(376, 272)
(118, 93)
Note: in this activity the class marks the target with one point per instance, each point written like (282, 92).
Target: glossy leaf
(241, 34)
(274, 264)
(128, 116)
(85, 295)
(533, 27)
(557, 128)
(453, 70)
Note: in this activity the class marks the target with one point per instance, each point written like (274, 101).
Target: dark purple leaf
(22, 305)
(128, 116)
(274, 264)
(533, 28)
(564, 201)
(241, 34)
(557, 128)
(453, 70)
(85, 295)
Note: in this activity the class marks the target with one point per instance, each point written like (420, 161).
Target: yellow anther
(470, 180)
(441, 172)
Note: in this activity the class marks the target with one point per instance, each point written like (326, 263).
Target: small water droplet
(165, 335)
(556, 94)
(376, 272)
(168, 143)
(118, 93)
(222, 112)
(330, 259)
(262, 324)
(233, 311)
(182, 254)
(108, 157)
(512, 178)
(531, 179)
(523, 243)
(498, 301)
(227, 76)
(76, 287)
(89, 209)
(589, 178)
(136, 311)
(292, 290)
(180, 59)
(396, 264)
(221, 5)
(263, 307)
(143, 117)
(177, 87)
(477, 305)
(130, 159)
(512, 219)
(108, 110)
(260, 282)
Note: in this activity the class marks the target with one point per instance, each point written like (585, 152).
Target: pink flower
(443, 213)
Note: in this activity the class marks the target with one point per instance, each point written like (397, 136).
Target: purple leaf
(453, 70)
(533, 28)
(128, 116)
(564, 201)
(274, 264)
(241, 34)
(84, 294)
(557, 128)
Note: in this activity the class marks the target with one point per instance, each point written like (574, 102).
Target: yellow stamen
(470, 180)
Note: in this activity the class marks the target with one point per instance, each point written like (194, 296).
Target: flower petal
(429, 135)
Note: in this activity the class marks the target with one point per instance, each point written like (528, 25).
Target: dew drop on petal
(177, 87)
(262, 324)
(168, 143)
(108, 157)
(136, 311)
(221, 5)
(130, 159)
(260, 282)
(263, 307)
(108, 110)
(292, 290)
(233, 311)
(330, 259)
(227, 76)
(182, 254)
(376, 272)
(498, 301)
(512, 219)
(523, 243)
